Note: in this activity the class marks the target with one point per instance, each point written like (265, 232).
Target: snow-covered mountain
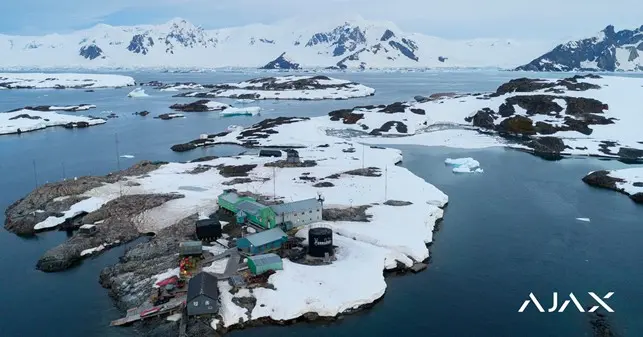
(608, 51)
(341, 43)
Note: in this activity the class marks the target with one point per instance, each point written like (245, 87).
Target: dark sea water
(506, 232)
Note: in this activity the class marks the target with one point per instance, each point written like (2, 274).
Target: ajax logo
(572, 299)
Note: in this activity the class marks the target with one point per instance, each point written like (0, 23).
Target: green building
(255, 213)
(230, 200)
(260, 264)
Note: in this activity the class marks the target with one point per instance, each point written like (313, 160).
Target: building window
(195, 303)
(207, 302)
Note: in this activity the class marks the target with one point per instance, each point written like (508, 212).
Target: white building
(298, 213)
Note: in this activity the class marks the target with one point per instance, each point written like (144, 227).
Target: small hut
(208, 229)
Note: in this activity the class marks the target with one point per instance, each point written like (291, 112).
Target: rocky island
(63, 81)
(280, 87)
(168, 198)
(35, 118)
(626, 181)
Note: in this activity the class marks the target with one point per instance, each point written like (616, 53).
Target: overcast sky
(540, 19)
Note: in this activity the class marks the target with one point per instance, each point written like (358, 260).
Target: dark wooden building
(203, 295)
(270, 153)
(208, 229)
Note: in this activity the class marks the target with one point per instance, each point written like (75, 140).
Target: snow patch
(138, 92)
(62, 80)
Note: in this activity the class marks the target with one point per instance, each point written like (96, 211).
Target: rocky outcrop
(281, 62)
(117, 225)
(130, 281)
(198, 106)
(532, 84)
(603, 179)
(53, 198)
(353, 213)
(91, 52)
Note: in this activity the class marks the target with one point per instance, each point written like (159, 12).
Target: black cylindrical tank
(320, 242)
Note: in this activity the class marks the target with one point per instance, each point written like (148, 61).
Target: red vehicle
(170, 280)
(149, 311)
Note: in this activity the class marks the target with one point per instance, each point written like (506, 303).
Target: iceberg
(249, 111)
(138, 92)
(464, 165)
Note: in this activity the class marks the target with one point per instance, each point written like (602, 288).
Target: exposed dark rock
(506, 110)
(183, 147)
(237, 181)
(324, 184)
(200, 169)
(281, 62)
(198, 106)
(26, 116)
(397, 203)
(603, 179)
(630, 153)
(230, 171)
(483, 119)
(546, 145)
(601, 326)
(365, 172)
(117, 228)
(284, 163)
(142, 113)
(354, 213)
(166, 117)
(129, 281)
(517, 125)
(202, 159)
(397, 107)
(536, 104)
(418, 111)
(21, 216)
(91, 52)
(530, 85)
(386, 127)
(346, 115)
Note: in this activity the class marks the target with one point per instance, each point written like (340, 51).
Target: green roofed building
(260, 264)
(230, 200)
(263, 241)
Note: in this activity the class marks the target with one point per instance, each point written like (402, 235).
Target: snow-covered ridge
(61, 81)
(281, 87)
(607, 51)
(337, 42)
(25, 120)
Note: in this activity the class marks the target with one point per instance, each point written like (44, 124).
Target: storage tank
(320, 242)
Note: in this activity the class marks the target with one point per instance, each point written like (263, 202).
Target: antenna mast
(385, 182)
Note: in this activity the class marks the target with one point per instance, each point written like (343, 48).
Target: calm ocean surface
(507, 232)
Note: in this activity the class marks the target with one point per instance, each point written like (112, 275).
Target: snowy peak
(609, 50)
(345, 38)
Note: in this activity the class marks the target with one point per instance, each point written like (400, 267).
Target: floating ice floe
(583, 219)
(464, 165)
(138, 92)
(244, 101)
(249, 111)
(128, 156)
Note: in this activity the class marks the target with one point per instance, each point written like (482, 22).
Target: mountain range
(342, 43)
(608, 51)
